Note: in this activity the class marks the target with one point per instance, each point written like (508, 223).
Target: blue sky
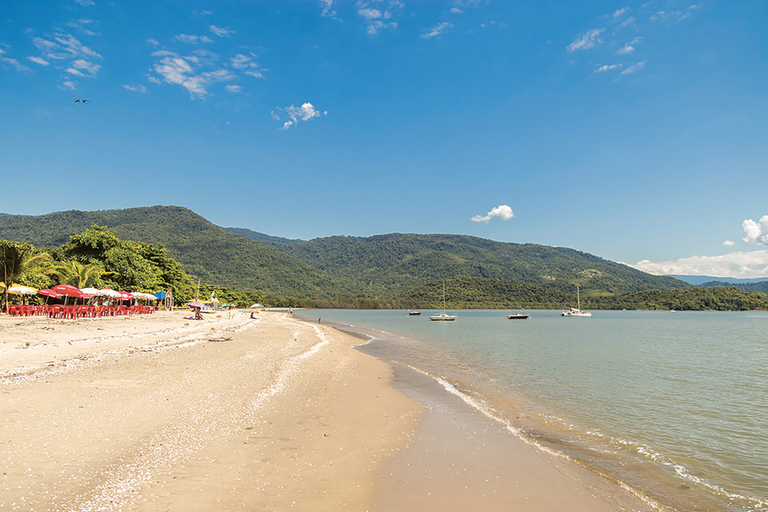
(633, 131)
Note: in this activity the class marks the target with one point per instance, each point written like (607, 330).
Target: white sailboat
(577, 312)
(443, 317)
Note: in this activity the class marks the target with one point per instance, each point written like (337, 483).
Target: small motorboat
(518, 316)
(414, 313)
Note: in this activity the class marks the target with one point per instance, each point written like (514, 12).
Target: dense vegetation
(385, 271)
(693, 299)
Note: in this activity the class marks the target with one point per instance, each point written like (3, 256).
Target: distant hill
(759, 286)
(702, 280)
(204, 249)
(693, 299)
(392, 267)
(261, 237)
(387, 264)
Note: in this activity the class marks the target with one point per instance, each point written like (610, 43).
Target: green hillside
(204, 249)
(385, 269)
(392, 263)
(693, 299)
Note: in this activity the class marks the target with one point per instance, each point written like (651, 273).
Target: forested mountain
(204, 249)
(693, 299)
(260, 237)
(395, 267)
(756, 286)
(396, 262)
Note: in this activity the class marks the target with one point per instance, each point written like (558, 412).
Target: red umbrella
(49, 293)
(125, 296)
(67, 290)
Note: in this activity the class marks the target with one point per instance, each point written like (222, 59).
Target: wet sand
(164, 413)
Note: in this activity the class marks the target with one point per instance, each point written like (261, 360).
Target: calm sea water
(672, 404)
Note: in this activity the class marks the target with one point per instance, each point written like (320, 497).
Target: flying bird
(83, 101)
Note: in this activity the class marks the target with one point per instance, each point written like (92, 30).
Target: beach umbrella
(49, 293)
(18, 289)
(67, 290)
(161, 295)
(107, 292)
(255, 306)
(125, 296)
(195, 304)
(91, 291)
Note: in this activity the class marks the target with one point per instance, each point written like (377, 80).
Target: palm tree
(18, 258)
(78, 274)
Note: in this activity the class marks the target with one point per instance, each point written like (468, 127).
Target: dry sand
(160, 412)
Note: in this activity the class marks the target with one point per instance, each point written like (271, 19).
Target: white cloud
(233, 88)
(153, 42)
(246, 64)
(136, 88)
(437, 30)
(39, 60)
(634, 68)
(620, 12)
(305, 112)
(18, 66)
(737, 264)
(675, 15)
(379, 15)
(192, 39)
(328, 8)
(607, 67)
(590, 39)
(182, 70)
(85, 3)
(756, 231)
(502, 211)
(629, 47)
(729, 243)
(222, 31)
(68, 84)
(456, 10)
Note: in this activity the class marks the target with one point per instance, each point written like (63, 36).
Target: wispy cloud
(39, 60)
(674, 15)
(379, 15)
(15, 64)
(590, 39)
(187, 72)
(607, 67)
(437, 30)
(756, 232)
(291, 116)
(136, 88)
(247, 64)
(328, 10)
(629, 47)
(68, 53)
(192, 39)
(737, 264)
(634, 68)
(222, 31)
(85, 3)
(233, 88)
(503, 211)
(729, 243)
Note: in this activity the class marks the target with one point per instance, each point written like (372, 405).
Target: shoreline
(462, 458)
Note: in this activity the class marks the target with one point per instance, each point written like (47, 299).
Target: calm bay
(673, 405)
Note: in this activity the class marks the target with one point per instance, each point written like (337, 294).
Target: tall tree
(78, 274)
(18, 258)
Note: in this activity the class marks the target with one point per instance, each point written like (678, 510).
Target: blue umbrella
(160, 295)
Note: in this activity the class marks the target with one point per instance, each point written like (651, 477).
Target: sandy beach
(160, 412)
